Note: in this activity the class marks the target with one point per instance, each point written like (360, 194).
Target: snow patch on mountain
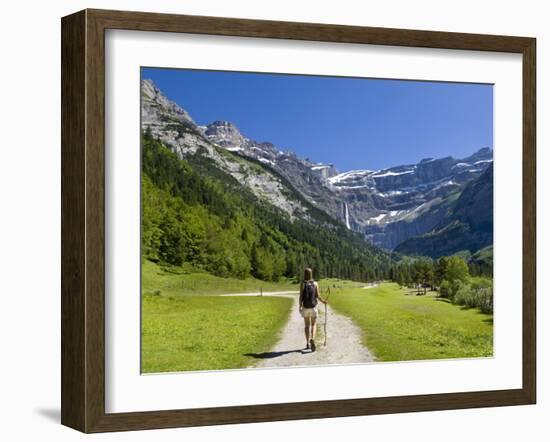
(266, 161)
(350, 175)
(392, 173)
(378, 218)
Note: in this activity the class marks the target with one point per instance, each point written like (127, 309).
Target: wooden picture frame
(83, 220)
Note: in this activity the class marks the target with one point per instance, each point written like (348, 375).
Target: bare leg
(306, 330)
(312, 333)
(313, 328)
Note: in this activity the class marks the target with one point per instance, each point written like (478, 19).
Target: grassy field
(334, 283)
(178, 281)
(398, 325)
(185, 326)
(208, 332)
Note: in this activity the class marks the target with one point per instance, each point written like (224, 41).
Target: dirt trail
(343, 340)
(371, 285)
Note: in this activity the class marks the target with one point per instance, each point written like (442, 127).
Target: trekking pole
(326, 317)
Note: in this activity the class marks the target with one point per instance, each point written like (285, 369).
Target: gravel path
(343, 340)
(371, 285)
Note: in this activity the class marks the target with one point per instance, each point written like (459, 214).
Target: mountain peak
(225, 134)
(483, 154)
(222, 123)
(151, 94)
(484, 150)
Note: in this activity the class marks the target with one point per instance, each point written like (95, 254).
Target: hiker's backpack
(309, 295)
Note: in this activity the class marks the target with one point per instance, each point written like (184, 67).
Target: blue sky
(350, 122)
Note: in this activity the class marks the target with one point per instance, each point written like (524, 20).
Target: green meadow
(185, 326)
(186, 280)
(208, 332)
(399, 325)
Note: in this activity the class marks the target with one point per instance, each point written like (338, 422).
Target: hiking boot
(312, 343)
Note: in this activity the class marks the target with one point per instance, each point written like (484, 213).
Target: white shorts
(310, 313)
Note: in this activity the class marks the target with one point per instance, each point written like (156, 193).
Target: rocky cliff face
(309, 179)
(176, 129)
(324, 171)
(388, 206)
(169, 122)
(467, 225)
(225, 134)
(391, 205)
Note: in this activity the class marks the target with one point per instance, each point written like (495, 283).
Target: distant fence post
(261, 291)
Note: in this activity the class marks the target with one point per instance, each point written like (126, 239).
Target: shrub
(481, 283)
(475, 296)
(486, 300)
(465, 296)
(445, 289)
(448, 289)
(455, 287)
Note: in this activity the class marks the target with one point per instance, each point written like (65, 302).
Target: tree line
(451, 276)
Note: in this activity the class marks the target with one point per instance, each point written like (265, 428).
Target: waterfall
(346, 215)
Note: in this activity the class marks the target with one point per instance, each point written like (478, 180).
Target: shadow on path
(274, 354)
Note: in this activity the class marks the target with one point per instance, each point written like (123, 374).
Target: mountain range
(435, 207)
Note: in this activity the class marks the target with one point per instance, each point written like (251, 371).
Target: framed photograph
(267, 220)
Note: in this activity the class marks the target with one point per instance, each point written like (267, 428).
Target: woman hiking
(309, 295)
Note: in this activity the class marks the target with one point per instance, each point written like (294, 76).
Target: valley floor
(343, 341)
(399, 325)
(203, 329)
